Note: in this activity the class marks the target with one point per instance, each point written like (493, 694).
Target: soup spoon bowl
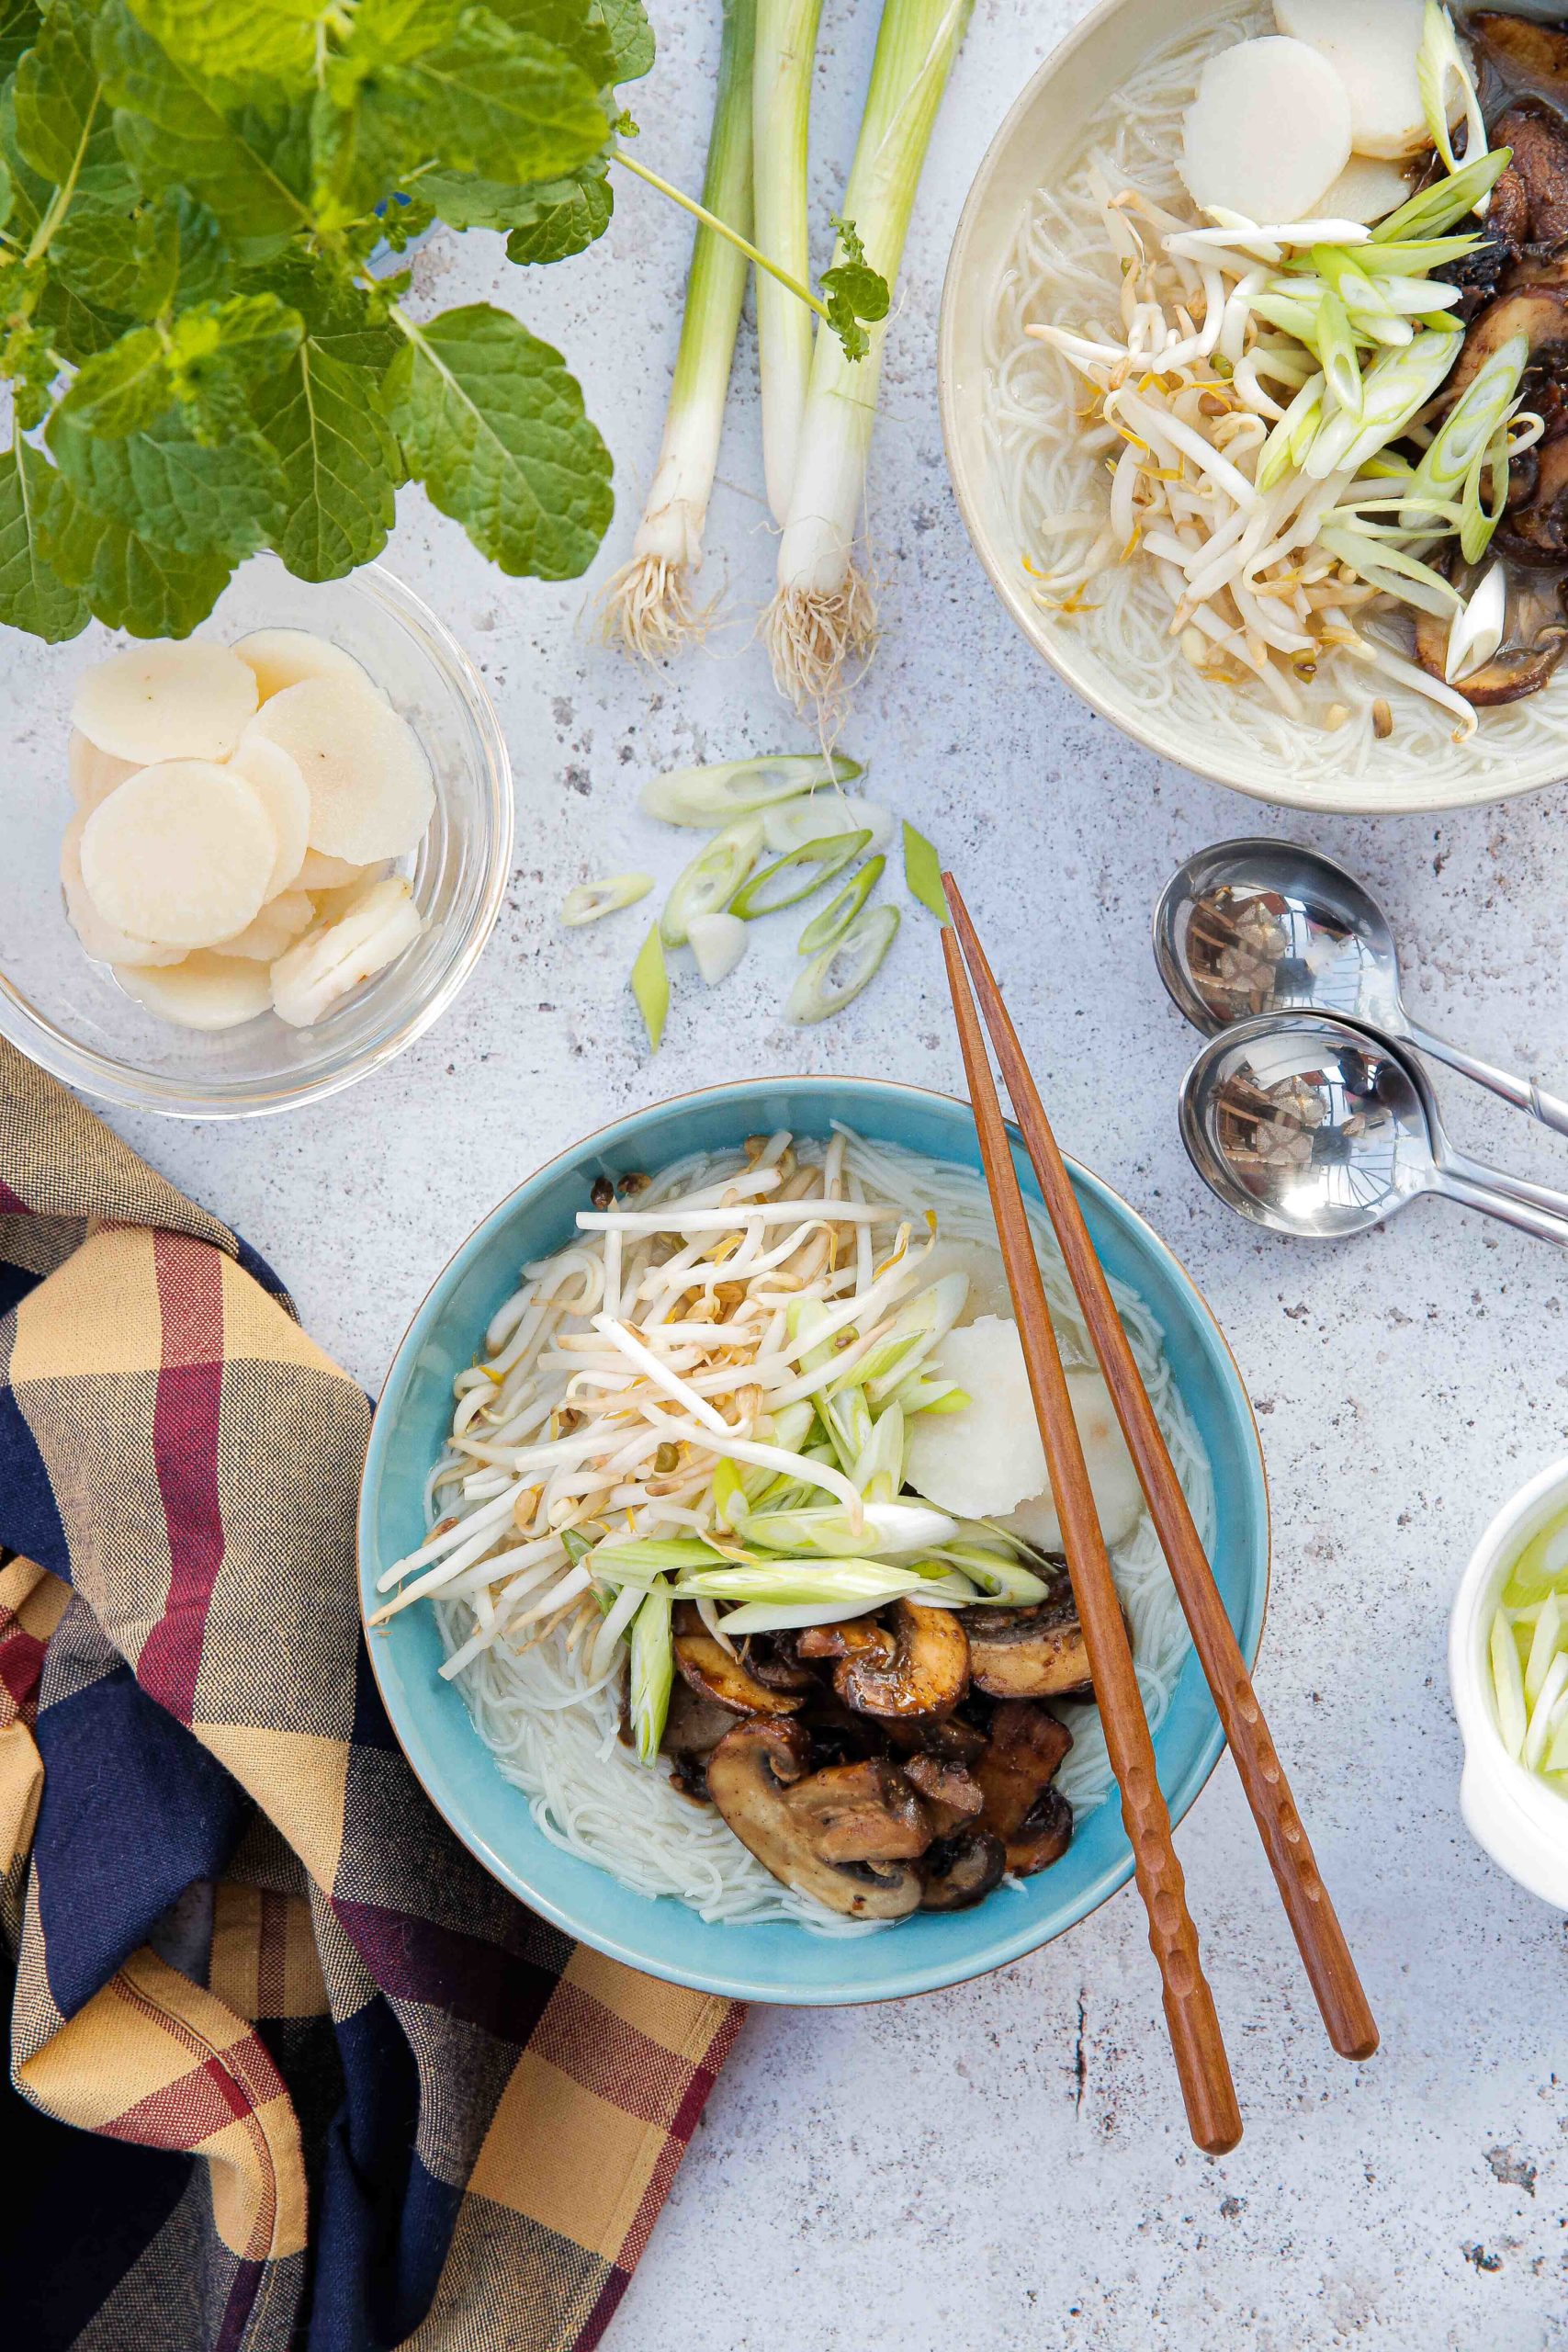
(1321, 1128)
(1255, 927)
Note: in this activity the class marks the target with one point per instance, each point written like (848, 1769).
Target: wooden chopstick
(1195, 2027)
(1325, 1954)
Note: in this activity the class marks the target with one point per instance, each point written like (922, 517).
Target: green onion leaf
(711, 879)
(653, 1674)
(799, 1581)
(922, 872)
(1437, 208)
(714, 796)
(650, 986)
(590, 901)
(1437, 65)
(856, 958)
(1337, 350)
(768, 893)
(836, 916)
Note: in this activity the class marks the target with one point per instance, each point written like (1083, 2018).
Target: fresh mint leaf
(340, 461)
(20, 23)
(121, 389)
(119, 257)
(8, 193)
(218, 351)
(32, 594)
(29, 193)
(63, 126)
(573, 26)
(494, 425)
(75, 329)
(238, 48)
(128, 582)
(183, 495)
(386, 32)
(559, 218)
(340, 316)
(206, 266)
(243, 169)
(631, 37)
(853, 291)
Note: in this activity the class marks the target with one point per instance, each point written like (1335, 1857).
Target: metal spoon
(1251, 927)
(1321, 1128)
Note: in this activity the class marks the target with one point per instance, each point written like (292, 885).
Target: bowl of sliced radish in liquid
(182, 927)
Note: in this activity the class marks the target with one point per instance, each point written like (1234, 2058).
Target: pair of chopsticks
(1194, 2027)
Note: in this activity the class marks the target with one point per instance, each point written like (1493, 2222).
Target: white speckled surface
(1005, 2164)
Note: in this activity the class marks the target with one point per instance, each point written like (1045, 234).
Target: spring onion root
(650, 606)
(822, 622)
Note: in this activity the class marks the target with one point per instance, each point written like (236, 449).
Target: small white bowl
(1521, 1823)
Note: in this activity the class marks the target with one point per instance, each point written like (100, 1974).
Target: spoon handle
(1464, 1186)
(1522, 1093)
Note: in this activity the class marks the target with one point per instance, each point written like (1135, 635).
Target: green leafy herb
(853, 292)
(922, 872)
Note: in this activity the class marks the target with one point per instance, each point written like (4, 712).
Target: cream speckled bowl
(1040, 136)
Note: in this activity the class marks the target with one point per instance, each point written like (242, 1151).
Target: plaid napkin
(292, 2071)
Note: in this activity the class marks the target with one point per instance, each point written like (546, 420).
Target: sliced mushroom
(1035, 1653)
(1526, 51)
(862, 1812)
(767, 1659)
(951, 1792)
(962, 1870)
(693, 1729)
(1503, 234)
(756, 1776)
(1538, 312)
(1022, 1758)
(1539, 141)
(1537, 630)
(712, 1673)
(1535, 529)
(949, 1737)
(921, 1668)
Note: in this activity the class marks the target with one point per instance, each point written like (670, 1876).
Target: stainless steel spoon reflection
(1252, 927)
(1321, 1128)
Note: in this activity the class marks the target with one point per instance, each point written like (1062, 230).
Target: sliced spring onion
(894, 1527)
(710, 881)
(922, 872)
(1406, 257)
(1293, 436)
(1543, 1646)
(589, 901)
(653, 1674)
(799, 1581)
(1437, 208)
(650, 986)
(719, 941)
(839, 913)
(825, 812)
(1337, 349)
(1387, 567)
(653, 1555)
(1394, 390)
(1462, 448)
(797, 874)
(1439, 64)
(856, 958)
(730, 788)
(999, 1575)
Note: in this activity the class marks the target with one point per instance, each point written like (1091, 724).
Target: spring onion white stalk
(837, 976)
(653, 1674)
(590, 901)
(1438, 68)
(787, 50)
(719, 941)
(711, 879)
(649, 605)
(824, 929)
(794, 821)
(823, 615)
(716, 796)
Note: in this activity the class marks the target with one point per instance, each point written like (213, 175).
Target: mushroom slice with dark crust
(1022, 1758)
(1538, 312)
(962, 1870)
(712, 1673)
(755, 1776)
(950, 1791)
(1042, 1835)
(768, 1659)
(862, 1812)
(926, 1673)
(1035, 1653)
(1526, 51)
(693, 1729)
(948, 1737)
(1537, 635)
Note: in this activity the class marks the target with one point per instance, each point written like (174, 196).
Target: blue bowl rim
(732, 1985)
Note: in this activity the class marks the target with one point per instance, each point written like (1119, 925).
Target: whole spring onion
(836, 916)
(652, 1671)
(730, 788)
(823, 614)
(837, 976)
(711, 879)
(589, 901)
(797, 875)
(649, 604)
(785, 51)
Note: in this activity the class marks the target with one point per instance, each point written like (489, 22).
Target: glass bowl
(71, 1014)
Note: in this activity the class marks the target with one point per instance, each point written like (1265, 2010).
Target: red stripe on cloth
(21, 1665)
(272, 1947)
(416, 1960)
(616, 2062)
(12, 1204)
(185, 2112)
(184, 1455)
(604, 2307)
(248, 2277)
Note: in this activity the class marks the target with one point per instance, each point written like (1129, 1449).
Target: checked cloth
(287, 2069)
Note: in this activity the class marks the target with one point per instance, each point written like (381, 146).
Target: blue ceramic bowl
(663, 1936)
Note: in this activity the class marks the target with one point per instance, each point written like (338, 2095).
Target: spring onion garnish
(710, 881)
(650, 986)
(836, 977)
(719, 941)
(786, 50)
(649, 604)
(836, 916)
(1436, 209)
(785, 883)
(794, 821)
(1452, 466)
(1478, 628)
(589, 901)
(1441, 73)
(715, 796)
(652, 1675)
(823, 614)
(922, 872)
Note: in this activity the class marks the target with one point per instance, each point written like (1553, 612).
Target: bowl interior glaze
(664, 1938)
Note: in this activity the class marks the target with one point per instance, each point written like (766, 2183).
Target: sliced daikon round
(1268, 129)
(100, 939)
(1374, 50)
(181, 854)
(370, 781)
(333, 904)
(274, 776)
(202, 991)
(166, 701)
(281, 922)
(320, 872)
(285, 657)
(330, 962)
(1368, 187)
(93, 774)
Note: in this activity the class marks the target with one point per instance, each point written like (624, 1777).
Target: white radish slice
(202, 992)
(1268, 129)
(1373, 50)
(100, 939)
(93, 774)
(276, 780)
(333, 905)
(166, 701)
(1368, 187)
(719, 941)
(281, 922)
(180, 855)
(285, 657)
(319, 871)
(370, 781)
(330, 962)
